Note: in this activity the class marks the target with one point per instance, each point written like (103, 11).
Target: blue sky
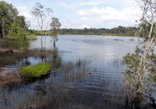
(86, 13)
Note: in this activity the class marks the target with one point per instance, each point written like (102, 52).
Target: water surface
(89, 73)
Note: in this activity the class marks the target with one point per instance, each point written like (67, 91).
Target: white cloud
(23, 10)
(94, 2)
(90, 13)
(111, 15)
(76, 5)
(105, 13)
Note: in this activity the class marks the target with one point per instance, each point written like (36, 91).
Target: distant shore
(116, 31)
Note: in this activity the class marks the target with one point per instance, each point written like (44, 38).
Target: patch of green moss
(154, 78)
(35, 71)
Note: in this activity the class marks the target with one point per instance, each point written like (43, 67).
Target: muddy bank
(8, 76)
(13, 56)
(5, 50)
(9, 58)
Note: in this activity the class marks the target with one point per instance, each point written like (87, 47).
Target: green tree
(55, 25)
(7, 16)
(20, 21)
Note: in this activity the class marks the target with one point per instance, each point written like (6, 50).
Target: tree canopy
(127, 31)
(8, 17)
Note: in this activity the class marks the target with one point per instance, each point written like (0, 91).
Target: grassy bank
(35, 71)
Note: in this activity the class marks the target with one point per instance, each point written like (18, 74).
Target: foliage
(121, 31)
(132, 62)
(35, 71)
(13, 28)
(145, 28)
(141, 64)
(118, 31)
(43, 16)
(9, 20)
(16, 32)
(7, 15)
(55, 24)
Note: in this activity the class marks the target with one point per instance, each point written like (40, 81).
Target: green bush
(35, 71)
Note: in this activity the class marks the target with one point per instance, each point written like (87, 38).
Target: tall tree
(8, 18)
(8, 15)
(43, 16)
(55, 25)
(142, 62)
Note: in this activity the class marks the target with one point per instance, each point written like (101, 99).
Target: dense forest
(117, 31)
(11, 24)
(120, 30)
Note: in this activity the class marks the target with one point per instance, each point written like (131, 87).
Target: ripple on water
(91, 69)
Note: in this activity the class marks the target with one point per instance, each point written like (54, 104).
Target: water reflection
(56, 60)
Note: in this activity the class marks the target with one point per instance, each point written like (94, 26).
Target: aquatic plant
(35, 71)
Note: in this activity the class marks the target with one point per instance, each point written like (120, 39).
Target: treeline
(121, 31)
(11, 24)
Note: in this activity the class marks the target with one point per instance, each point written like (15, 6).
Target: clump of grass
(35, 71)
(152, 78)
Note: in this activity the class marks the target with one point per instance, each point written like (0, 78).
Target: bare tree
(140, 63)
(43, 16)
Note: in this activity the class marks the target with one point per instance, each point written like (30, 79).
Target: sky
(85, 13)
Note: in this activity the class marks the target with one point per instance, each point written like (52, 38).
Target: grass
(35, 71)
(31, 37)
(27, 36)
(152, 78)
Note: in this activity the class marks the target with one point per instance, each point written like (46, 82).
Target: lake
(88, 73)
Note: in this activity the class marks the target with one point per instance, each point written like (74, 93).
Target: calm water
(87, 74)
